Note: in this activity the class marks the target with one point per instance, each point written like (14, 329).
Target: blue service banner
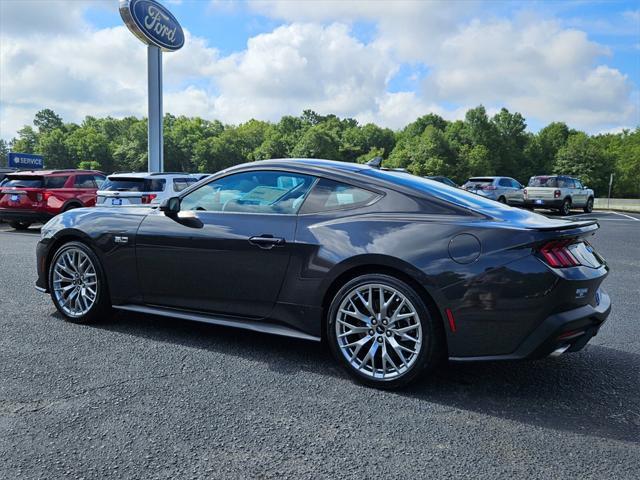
(25, 161)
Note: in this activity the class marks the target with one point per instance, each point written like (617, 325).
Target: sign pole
(154, 77)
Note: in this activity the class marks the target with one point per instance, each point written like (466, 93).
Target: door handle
(266, 241)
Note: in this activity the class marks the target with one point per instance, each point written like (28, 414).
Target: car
(138, 188)
(559, 192)
(35, 196)
(394, 272)
(445, 180)
(503, 189)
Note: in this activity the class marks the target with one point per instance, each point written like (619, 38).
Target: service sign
(152, 23)
(25, 161)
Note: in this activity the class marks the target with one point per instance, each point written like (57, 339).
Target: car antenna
(375, 162)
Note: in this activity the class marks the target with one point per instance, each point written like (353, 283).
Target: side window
(505, 182)
(578, 183)
(56, 182)
(155, 184)
(179, 184)
(515, 184)
(331, 195)
(84, 181)
(258, 191)
(99, 179)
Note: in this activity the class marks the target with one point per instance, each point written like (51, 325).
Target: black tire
(430, 349)
(565, 209)
(588, 208)
(19, 225)
(502, 199)
(70, 207)
(101, 307)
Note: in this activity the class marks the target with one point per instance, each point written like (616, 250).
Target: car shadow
(593, 392)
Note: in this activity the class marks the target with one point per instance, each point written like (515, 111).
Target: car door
(506, 189)
(517, 195)
(580, 194)
(85, 189)
(228, 249)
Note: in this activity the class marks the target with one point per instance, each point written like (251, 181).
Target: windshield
(121, 184)
(543, 182)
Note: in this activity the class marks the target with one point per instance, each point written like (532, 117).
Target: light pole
(156, 27)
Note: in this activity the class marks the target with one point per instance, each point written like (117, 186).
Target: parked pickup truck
(558, 192)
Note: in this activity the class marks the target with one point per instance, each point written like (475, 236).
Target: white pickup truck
(558, 192)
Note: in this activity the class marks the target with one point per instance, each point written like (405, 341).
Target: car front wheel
(19, 225)
(381, 331)
(77, 284)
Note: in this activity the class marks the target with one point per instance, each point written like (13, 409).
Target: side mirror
(584, 187)
(170, 206)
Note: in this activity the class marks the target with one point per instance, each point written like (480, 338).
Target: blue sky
(382, 62)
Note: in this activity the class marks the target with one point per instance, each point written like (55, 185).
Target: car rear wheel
(19, 225)
(381, 331)
(588, 208)
(565, 209)
(77, 284)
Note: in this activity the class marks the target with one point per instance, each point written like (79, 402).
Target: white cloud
(538, 67)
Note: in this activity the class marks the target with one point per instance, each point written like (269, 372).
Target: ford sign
(152, 23)
(25, 161)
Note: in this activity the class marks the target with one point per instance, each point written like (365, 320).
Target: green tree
(51, 145)
(47, 120)
(582, 157)
(4, 153)
(317, 143)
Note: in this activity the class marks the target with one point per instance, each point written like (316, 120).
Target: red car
(36, 196)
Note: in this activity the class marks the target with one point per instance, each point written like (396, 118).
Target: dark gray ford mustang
(395, 272)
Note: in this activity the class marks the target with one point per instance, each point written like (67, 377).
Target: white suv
(559, 192)
(142, 188)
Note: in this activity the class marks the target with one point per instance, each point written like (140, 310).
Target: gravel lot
(146, 397)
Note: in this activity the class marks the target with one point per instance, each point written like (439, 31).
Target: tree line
(478, 145)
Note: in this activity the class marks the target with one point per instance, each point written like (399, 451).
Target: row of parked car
(28, 197)
(557, 192)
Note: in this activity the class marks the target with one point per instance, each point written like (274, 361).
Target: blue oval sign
(152, 23)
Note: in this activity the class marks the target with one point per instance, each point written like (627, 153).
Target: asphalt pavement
(147, 397)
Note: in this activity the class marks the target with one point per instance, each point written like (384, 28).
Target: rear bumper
(546, 203)
(572, 329)
(29, 216)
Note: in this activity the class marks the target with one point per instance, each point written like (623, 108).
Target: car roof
(149, 174)
(40, 173)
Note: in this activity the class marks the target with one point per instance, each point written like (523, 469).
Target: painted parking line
(627, 216)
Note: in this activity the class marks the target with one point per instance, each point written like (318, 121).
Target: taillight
(524, 192)
(148, 197)
(557, 255)
(557, 193)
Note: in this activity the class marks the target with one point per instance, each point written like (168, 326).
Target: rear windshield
(32, 181)
(24, 181)
(479, 181)
(543, 182)
(445, 192)
(121, 184)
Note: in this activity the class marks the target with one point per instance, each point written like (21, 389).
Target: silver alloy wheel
(74, 282)
(379, 331)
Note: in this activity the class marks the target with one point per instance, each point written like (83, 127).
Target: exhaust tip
(559, 351)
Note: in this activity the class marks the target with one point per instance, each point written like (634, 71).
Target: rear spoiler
(571, 226)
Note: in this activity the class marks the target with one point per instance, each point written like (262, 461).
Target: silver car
(502, 189)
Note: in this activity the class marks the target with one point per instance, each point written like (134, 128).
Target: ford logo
(152, 23)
